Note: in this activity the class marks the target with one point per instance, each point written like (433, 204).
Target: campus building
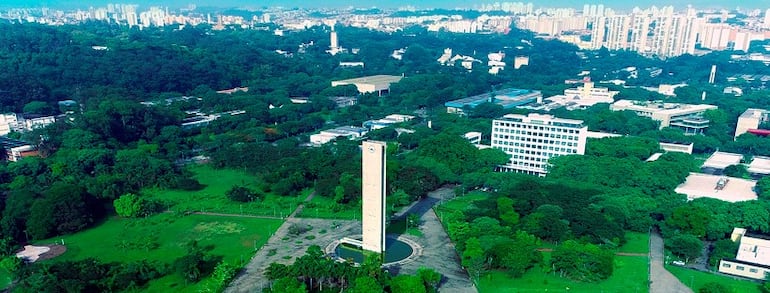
(533, 139)
(751, 120)
(325, 136)
(370, 84)
(508, 98)
(752, 259)
(684, 116)
(582, 97)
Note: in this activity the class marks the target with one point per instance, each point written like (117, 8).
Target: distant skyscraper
(617, 32)
(597, 32)
(767, 18)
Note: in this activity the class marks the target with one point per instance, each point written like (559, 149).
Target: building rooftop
(760, 165)
(545, 119)
(732, 189)
(507, 98)
(9, 143)
(720, 160)
(374, 79)
(660, 107)
(754, 250)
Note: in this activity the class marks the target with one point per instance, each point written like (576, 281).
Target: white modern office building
(533, 139)
(685, 116)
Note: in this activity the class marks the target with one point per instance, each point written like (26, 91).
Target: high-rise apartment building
(533, 139)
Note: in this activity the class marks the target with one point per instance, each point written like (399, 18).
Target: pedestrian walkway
(661, 280)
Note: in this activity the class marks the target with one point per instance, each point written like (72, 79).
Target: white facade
(533, 139)
(666, 113)
(753, 258)
(751, 119)
(325, 136)
(373, 165)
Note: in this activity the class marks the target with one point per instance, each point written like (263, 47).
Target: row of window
(535, 127)
(742, 268)
(551, 134)
(556, 150)
(535, 134)
(546, 142)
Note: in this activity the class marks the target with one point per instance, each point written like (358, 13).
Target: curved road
(662, 281)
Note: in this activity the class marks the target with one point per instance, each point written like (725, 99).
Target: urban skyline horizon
(423, 5)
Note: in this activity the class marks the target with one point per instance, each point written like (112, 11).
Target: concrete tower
(713, 74)
(373, 184)
(334, 42)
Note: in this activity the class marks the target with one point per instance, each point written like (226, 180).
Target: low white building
(349, 132)
(387, 121)
(751, 119)
(685, 116)
(753, 257)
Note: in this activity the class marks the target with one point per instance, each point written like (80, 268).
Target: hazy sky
(619, 5)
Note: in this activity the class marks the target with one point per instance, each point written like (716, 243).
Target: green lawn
(636, 243)
(212, 198)
(117, 240)
(460, 203)
(630, 275)
(325, 208)
(696, 279)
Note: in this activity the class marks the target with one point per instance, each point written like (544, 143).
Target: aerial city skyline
(428, 4)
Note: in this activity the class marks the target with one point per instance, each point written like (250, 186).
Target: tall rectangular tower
(373, 184)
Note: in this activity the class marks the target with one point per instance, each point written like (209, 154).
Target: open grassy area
(212, 198)
(123, 240)
(697, 279)
(636, 243)
(630, 275)
(325, 208)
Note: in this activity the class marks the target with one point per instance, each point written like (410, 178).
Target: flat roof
(760, 165)
(751, 112)
(660, 107)
(720, 160)
(374, 79)
(700, 185)
(8, 143)
(506, 97)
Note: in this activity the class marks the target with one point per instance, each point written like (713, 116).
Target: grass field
(636, 243)
(696, 279)
(163, 237)
(212, 198)
(630, 275)
(322, 207)
(121, 240)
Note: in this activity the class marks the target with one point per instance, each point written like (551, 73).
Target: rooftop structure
(533, 139)
(583, 97)
(370, 84)
(16, 149)
(686, 116)
(760, 165)
(387, 121)
(751, 119)
(719, 187)
(474, 137)
(676, 147)
(508, 98)
(753, 257)
(233, 90)
(720, 160)
(325, 136)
